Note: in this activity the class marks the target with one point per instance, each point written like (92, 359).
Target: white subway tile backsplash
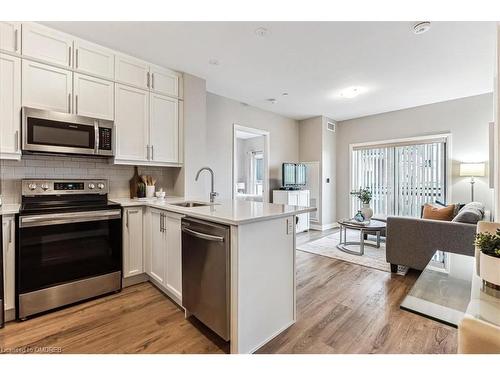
(48, 166)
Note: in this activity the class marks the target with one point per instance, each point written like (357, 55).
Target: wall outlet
(289, 226)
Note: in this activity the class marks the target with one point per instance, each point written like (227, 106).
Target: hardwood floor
(341, 307)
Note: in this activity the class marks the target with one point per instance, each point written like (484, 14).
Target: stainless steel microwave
(63, 133)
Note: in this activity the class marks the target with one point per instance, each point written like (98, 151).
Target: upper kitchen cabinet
(93, 97)
(46, 87)
(93, 59)
(10, 107)
(10, 36)
(164, 129)
(131, 71)
(165, 81)
(47, 45)
(131, 124)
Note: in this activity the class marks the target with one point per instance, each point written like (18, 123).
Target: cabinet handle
(76, 104)
(10, 231)
(15, 40)
(126, 221)
(76, 58)
(161, 222)
(69, 55)
(147, 80)
(152, 80)
(69, 103)
(147, 151)
(16, 140)
(152, 152)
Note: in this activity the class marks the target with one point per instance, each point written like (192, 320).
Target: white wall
(466, 119)
(222, 113)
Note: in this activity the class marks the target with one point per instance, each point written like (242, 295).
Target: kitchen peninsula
(261, 262)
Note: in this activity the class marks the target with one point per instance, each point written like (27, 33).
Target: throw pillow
(471, 213)
(438, 213)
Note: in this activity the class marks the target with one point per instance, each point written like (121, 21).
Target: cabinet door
(165, 81)
(47, 44)
(164, 129)
(46, 87)
(293, 199)
(131, 71)
(10, 107)
(131, 123)
(8, 228)
(174, 254)
(93, 59)
(93, 97)
(158, 247)
(304, 198)
(10, 36)
(132, 242)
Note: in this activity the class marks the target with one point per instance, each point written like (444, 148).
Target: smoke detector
(214, 62)
(272, 100)
(262, 32)
(421, 27)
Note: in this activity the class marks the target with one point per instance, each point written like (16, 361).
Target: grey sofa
(412, 242)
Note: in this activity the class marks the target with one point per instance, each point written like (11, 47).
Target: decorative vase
(133, 183)
(367, 211)
(489, 270)
(359, 217)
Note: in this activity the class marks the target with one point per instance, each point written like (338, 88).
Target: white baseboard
(324, 226)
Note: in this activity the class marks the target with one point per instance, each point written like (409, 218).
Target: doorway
(250, 164)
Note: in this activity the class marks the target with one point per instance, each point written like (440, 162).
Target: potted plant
(489, 257)
(365, 196)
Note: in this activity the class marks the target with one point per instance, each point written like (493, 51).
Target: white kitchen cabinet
(46, 44)
(93, 97)
(132, 71)
(93, 59)
(164, 129)
(10, 107)
(131, 124)
(10, 36)
(165, 81)
(46, 87)
(133, 263)
(158, 249)
(8, 233)
(174, 254)
(295, 198)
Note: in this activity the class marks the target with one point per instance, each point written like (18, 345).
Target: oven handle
(68, 217)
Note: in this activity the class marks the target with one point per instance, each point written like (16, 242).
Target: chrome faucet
(213, 194)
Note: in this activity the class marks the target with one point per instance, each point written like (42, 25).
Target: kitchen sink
(192, 204)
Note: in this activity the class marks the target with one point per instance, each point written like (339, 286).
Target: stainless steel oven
(55, 132)
(68, 245)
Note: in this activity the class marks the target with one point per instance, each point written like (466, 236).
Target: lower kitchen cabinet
(9, 246)
(133, 248)
(158, 251)
(174, 254)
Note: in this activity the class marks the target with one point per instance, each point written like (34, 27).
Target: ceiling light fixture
(285, 94)
(262, 32)
(352, 92)
(421, 27)
(214, 62)
(272, 100)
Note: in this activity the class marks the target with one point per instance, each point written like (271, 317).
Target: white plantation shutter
(401, 176)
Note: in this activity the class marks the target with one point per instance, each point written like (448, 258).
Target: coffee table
(374, 226)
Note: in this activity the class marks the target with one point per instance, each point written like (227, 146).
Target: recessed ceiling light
(272, 100)
(285, 94)
(352, 92)
(262, 32)
(421, 27)
(214, 62)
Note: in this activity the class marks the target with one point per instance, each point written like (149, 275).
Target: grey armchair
(412, 242)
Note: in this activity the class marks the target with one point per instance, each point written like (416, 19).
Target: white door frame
(266, 134)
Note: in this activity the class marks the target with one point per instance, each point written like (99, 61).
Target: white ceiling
(312, 61)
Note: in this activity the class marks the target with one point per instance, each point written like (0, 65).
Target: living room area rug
(327, 246)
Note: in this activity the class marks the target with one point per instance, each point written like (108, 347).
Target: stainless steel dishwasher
(206, 273)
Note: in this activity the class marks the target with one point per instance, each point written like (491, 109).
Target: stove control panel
(58, 187)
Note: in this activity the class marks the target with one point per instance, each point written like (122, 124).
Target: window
(401, 176)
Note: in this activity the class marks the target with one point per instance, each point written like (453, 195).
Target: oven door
(61, 248)
(54, 132)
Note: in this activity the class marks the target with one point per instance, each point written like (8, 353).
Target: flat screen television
(293, 175)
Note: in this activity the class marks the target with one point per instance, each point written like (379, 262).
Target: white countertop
(232, 212)
(9, 209)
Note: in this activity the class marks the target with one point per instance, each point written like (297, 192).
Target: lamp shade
(472, 169)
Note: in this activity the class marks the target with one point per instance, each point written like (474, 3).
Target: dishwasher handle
(203, 236)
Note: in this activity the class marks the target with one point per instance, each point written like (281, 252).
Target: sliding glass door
(401, 176)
